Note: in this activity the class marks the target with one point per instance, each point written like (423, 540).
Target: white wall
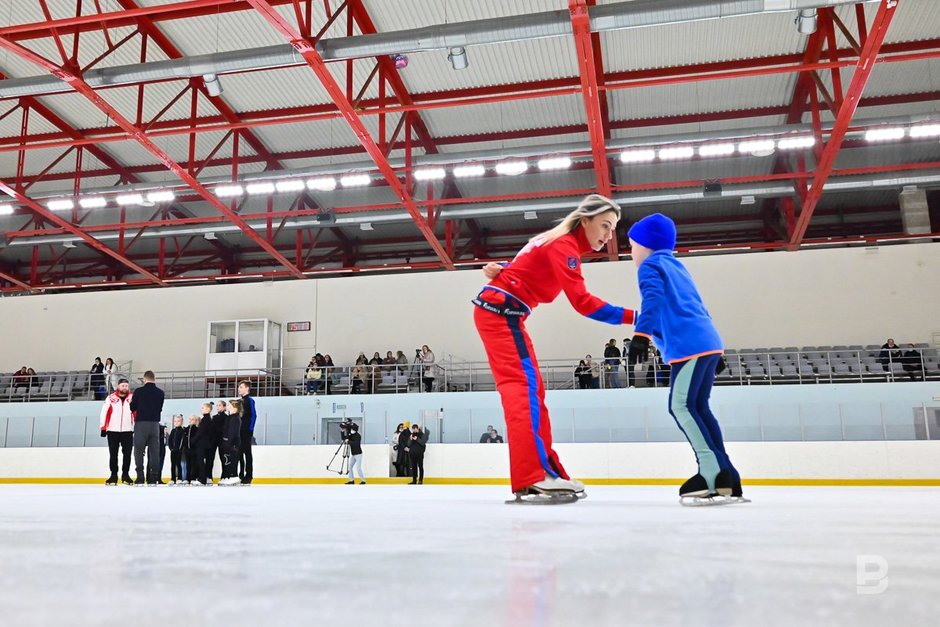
(648, 462)
(811, 297)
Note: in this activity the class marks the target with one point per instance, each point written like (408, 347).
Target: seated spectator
(313, 376)
(402, 361)
(583, 374)
(890, 352)
(491, 436)
(33, 378)
(329, 370)
(357, 375)
(21, 378)
(912, 363)
(374, 371)
(388, 364)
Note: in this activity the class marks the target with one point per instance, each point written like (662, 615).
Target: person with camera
(417, 444)
(351, 437)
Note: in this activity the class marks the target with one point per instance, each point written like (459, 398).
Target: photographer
(416, 447)
(350, 434)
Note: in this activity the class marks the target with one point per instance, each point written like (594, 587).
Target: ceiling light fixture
(467, 171)
(228, 191)
(925, 130)
(790, 143)
(716, 150)
(511, 168)
(290, 185)
(884, 134)
(676, 152)
(458, 58)
(323, 184)
(355, 180)
(213, 85)
(60, 204)
(758, 147)
(260, 188)
(554, 163)
(93, 202)
(429, 174)
(161, 196)
(129, 199)
(637, 156)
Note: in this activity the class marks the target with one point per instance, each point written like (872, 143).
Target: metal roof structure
(103, 104)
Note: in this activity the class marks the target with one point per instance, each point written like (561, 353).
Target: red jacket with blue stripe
(540, 272)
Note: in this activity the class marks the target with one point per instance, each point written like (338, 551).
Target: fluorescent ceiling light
(366, 226)
(6, 210)
(290, 185)
(884, 134)
(161, 196)
(790, 143)
(60, 204)
(93, 202)
(511, 168)
(227, 191)
(554, 163)
(68, 244)
(677, 152)
(748, 200)
(429, 174)
(129, 199)
(260, 188)
(715, 150)
(324, 184)
(465, 171)
(925, 130)
(355, 180)
(637, 156)
(757, 147)
(530, 215)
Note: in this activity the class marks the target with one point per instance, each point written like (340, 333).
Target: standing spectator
(417, 444)
(97, 379)
(230, 441)
(111, 375)
(595, 371)
(175, 444)
(912, 364)
(890, 353)
(630, 363)
(427, 360)
(612, 364)
(398, 455)
(375, 371)
(249, 416)
(404, 460)
(583, 374)
(147, 404)
(117, 424)
(355, 454)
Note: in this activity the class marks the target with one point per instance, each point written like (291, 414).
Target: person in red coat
(549, 264)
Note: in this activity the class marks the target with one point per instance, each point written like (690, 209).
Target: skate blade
(542, 497)
(705, 501)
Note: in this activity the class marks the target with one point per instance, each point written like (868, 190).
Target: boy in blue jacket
(674, 317)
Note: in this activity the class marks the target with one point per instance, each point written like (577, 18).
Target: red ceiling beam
(863, 70)
(316, 63)
(51, 217)
(15, 281)
(598, 129)
(79, 85)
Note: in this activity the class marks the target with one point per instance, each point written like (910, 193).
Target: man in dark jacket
(612, 364)
(416, 447)
(147, 404)
(912, 363)
(249, 415)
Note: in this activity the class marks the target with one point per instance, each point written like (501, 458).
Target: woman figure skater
(549, 264)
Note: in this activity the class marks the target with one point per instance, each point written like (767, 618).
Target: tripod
(344, 462)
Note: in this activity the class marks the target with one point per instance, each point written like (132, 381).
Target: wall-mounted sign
(298, 326)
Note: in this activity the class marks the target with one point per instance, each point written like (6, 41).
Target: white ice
(388, 555)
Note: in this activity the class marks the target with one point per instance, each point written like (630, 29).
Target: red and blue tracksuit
(674, 316)
(537, 275)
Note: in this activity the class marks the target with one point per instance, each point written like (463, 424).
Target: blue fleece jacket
(672, 313)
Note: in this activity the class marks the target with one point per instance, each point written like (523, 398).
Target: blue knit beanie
(655, 231)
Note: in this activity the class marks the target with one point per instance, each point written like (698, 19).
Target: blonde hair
(592, 205)
(237, 404)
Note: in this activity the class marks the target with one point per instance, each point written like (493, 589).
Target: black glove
(722, 365)
(104, 433)
(639, 347)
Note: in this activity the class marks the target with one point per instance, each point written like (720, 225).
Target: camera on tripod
(345, 427)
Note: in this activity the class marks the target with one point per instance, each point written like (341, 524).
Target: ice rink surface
(381, 555)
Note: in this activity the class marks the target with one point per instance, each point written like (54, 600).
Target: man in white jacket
(117, 424)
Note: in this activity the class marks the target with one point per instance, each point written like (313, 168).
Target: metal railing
(772, 367)
(809, 421)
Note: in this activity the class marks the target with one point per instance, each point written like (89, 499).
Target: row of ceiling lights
(509, 167)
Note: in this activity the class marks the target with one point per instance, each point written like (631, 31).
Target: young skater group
(198, 443)
(671, 314)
